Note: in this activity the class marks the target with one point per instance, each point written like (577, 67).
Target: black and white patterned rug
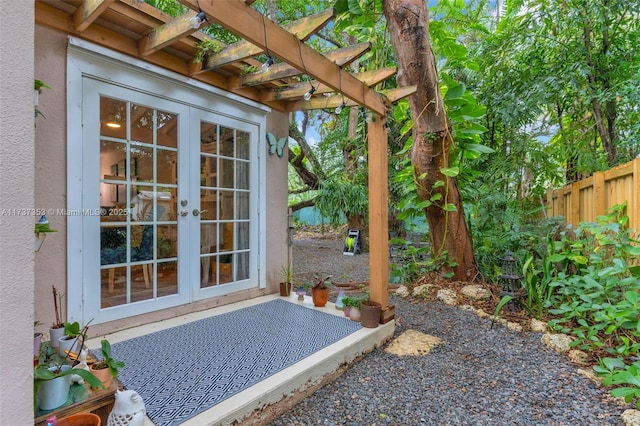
(184, 370)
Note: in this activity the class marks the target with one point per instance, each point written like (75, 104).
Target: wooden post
(378, 215)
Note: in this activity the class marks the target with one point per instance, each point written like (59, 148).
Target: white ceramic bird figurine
(128, 410)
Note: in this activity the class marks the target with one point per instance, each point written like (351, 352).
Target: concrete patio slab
(269, 398)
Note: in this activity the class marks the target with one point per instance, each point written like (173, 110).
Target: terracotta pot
(320, 296)
(104, 374)
(370, 313)
(80, 419)
(285, 289)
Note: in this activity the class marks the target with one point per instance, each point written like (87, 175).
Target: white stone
(578, 357)
(557, 342)
(476, 292)
(402, 291)
(630, 418)
(538, 326)
(423, 290)
(482, 314)
(514, 326)
(467, 308)
(447, 296)
(413, 342)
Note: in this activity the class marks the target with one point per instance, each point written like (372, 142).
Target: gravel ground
(480, 376)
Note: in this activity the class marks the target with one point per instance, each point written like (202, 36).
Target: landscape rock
(514, 326)
(402, 291)
(578, 357)
(423, 290)
(630, 418)
(476, 292)
(590, 375)
(413, 342)
(482, 314)
(538, 326)
(557, 342)
(467, 308)
(447, 296)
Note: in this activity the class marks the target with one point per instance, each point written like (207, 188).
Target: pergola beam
(302, 28)
(249, 24)
(297, 90)
(341, 57)
(167, 34)
(88, 12)
(333, 101)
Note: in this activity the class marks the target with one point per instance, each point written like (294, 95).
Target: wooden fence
(586, 199)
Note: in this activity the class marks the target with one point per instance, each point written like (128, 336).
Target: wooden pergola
(137, 29)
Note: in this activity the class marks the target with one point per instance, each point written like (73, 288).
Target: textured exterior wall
(277, 191)
(51, 170)
(16, 231)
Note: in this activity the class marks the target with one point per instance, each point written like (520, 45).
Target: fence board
(588, 198)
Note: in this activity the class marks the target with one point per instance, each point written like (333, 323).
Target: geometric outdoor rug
(187, 369)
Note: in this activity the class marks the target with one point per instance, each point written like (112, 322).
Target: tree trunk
(408, 23)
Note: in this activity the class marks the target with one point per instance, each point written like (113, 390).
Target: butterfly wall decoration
(276, 146)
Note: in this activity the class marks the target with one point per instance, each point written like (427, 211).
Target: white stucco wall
(16, 231)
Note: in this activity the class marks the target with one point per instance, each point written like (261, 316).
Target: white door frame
(88, 62)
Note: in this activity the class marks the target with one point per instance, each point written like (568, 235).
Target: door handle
(197, 212)
(184, 212)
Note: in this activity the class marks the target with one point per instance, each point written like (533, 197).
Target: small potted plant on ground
(354, 313)
(287, 280)
(107, 368)
(320, 291)
(370, 313)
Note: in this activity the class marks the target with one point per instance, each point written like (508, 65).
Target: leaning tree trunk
(408, 23)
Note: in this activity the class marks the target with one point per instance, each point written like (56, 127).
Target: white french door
(171, 195)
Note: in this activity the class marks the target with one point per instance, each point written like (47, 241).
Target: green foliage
(108, 361)
(338, 197)
(505, 299)
(627, 377)
(206, 47)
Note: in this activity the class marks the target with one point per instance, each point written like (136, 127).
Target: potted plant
(107, 368)
(287, 280)
(73, 339)
(52, 379)
(56, 331)
(320, 291)
(370, 313)
(347, 302)
(354, 313)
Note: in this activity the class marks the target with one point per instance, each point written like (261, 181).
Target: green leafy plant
(38, 85)
(107, 360)
(206, 47)
(50, 366)
(626, 377)
(505, 299)
(321, 283)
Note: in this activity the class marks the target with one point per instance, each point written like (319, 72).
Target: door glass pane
(138, 187)
(224, 201)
